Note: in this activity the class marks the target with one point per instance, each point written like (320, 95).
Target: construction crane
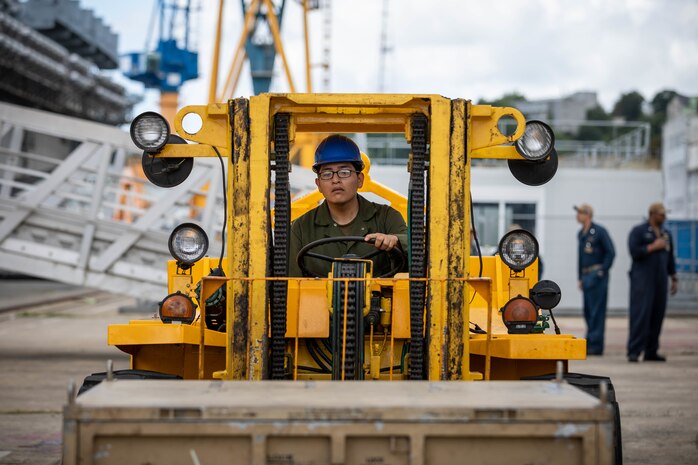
(259, 45)
(172, 61)
(260, 41)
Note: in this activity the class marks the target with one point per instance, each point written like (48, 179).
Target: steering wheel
(395, 253)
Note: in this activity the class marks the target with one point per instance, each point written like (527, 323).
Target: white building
(620, 198)
(566, 110)
(680, 158)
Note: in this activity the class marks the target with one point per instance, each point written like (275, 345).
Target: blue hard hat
(336, 149)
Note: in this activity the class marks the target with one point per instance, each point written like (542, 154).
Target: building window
(523, 214)
(486, 217)
(493, 220)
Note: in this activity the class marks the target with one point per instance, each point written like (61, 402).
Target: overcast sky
(469, 49)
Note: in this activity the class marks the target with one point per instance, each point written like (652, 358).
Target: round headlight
(188, 244)
(177, 307)
(149, 131)
(537, 141)
(519, 315)
(518, 249)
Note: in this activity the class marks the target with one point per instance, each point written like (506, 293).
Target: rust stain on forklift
(273, 404)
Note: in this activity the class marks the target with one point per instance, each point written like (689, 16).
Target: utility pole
(384, 47)
(327, 44)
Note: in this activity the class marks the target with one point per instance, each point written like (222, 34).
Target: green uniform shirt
(318, 224)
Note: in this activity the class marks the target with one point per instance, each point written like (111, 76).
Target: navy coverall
(596, 254)
(649, 279)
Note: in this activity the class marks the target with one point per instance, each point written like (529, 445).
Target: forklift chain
(282, 225)
(353, 361)
(417, 245)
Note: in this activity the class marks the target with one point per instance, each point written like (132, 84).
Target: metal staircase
(70, 211)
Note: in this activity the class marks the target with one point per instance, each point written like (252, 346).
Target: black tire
(95, 378)
(590, 384)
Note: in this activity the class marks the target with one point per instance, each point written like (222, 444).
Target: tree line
(630, 107)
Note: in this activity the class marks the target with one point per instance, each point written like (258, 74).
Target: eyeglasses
(343, 173)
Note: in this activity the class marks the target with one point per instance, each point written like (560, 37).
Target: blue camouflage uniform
(649, 276)
(596, 254)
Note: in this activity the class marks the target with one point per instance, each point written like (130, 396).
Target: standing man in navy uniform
(595, 257)
(652, 251)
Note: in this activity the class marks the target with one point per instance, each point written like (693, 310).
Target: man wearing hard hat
(338, 165)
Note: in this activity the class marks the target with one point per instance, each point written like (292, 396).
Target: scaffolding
(39, 73)
(70, 212)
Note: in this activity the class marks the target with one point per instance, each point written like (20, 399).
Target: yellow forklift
(467, 337)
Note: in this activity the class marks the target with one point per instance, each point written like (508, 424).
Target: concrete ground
(44, 347)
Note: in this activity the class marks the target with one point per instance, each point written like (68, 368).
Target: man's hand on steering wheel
(382, 241)
(394, 252)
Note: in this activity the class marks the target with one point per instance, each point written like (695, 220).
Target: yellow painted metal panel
(347, 123)
(293, 304)
(484, 129)
(401, 310)
(304, 204)
(499, 152)
(237, 235)
(181, 283)
(478, 315)
(215, 128)
(532, 346)
(518, 287)
(350, 100)
(178, 359)
(466, 369)
(456, 253)
(258, 224)
(190, 151)
(344, 113)
(307, 309)
(438, 227)
(142, 332)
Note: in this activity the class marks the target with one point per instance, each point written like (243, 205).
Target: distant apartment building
(680, 158)
(565, 111)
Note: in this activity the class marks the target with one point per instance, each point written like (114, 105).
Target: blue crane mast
(259, 46)
(172, 61)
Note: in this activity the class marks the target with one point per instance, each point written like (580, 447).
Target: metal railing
(632, 145)
(629, 142)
